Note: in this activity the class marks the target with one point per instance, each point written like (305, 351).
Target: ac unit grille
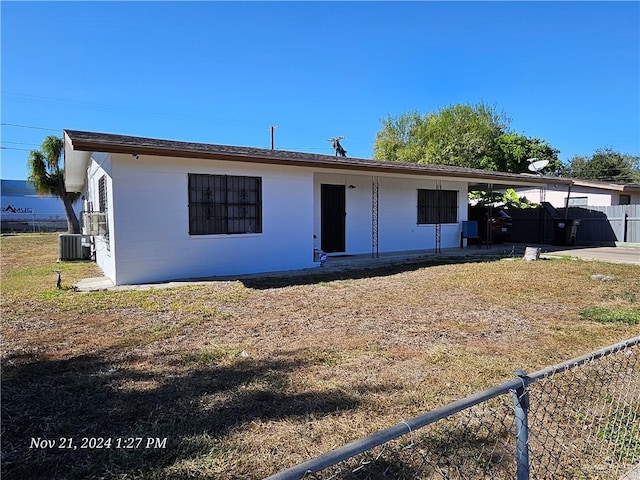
(70, 247)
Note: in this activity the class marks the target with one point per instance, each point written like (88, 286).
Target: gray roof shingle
(113, 143)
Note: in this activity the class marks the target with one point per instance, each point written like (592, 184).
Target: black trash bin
(564, 231)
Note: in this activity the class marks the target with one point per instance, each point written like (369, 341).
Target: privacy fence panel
(576, 420)
(530, 225)
(633, 224)
(624, 221)
(598, 225)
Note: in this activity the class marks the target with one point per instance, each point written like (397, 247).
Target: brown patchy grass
(329, 360)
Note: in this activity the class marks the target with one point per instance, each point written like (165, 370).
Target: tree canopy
(512, 152)
(605, 165)
(48, 178)
(501, 199)
(464, 135)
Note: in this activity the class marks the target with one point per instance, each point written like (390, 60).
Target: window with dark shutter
(103, 208)
(224, 204)
(102, 194)
(437, 206)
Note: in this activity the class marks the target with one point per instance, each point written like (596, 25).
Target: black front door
(332, 218)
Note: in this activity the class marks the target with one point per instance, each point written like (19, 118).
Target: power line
(31, 126)
(120, 109)
(20, 143)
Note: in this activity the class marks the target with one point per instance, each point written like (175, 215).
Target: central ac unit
(70, 247)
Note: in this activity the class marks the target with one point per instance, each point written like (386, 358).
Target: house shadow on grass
(357, 272)
(85, 398)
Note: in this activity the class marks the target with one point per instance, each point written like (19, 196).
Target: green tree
(401, 138)
(48, 178)
(462, 135)
(606, 165)
(511, 153)
(507, 199)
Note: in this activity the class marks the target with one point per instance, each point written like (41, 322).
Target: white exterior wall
(150, 234)
(103, 247)
(634, 198)
(398, 207)
(595, 197)
(148, 218)
(398, 229)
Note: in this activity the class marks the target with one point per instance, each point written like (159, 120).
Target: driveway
(625, 254)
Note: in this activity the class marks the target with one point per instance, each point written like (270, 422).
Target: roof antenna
(337, 147)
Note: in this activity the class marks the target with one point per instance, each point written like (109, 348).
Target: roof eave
(75, 166)
(278, 157)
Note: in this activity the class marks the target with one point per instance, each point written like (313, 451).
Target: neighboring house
(584, 193)
(22, 209)
(176, 210)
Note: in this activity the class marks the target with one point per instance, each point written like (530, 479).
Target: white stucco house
(176, 210)
(584, 193)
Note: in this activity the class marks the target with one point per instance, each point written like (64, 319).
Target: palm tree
(48, 178)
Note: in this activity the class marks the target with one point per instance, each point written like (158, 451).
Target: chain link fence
(33, 226)
(576, 420)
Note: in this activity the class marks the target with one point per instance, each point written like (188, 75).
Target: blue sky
(224, 72)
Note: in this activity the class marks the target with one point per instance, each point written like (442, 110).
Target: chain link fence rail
(576, 420)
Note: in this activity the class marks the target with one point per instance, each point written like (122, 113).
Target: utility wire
(20, 143)
(121, 109)
(31, 126)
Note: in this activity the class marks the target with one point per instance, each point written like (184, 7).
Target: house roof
(77, 142)
(619, 187)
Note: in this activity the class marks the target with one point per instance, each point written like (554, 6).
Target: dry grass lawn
(245, 379)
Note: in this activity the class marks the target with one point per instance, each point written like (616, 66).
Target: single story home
(584, 193)
(170, 210)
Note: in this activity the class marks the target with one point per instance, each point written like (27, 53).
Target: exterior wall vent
(70, 247)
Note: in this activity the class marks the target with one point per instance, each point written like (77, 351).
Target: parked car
(498, 220)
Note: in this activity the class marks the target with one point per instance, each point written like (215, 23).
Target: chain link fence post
(521, 400)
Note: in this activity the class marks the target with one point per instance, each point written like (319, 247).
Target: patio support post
(375, 198)
(490, 217)
(438, 240)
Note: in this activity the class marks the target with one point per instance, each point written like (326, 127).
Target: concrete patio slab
(344, 263)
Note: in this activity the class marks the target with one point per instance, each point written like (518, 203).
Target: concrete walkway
(334, 265)
(346, 263)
